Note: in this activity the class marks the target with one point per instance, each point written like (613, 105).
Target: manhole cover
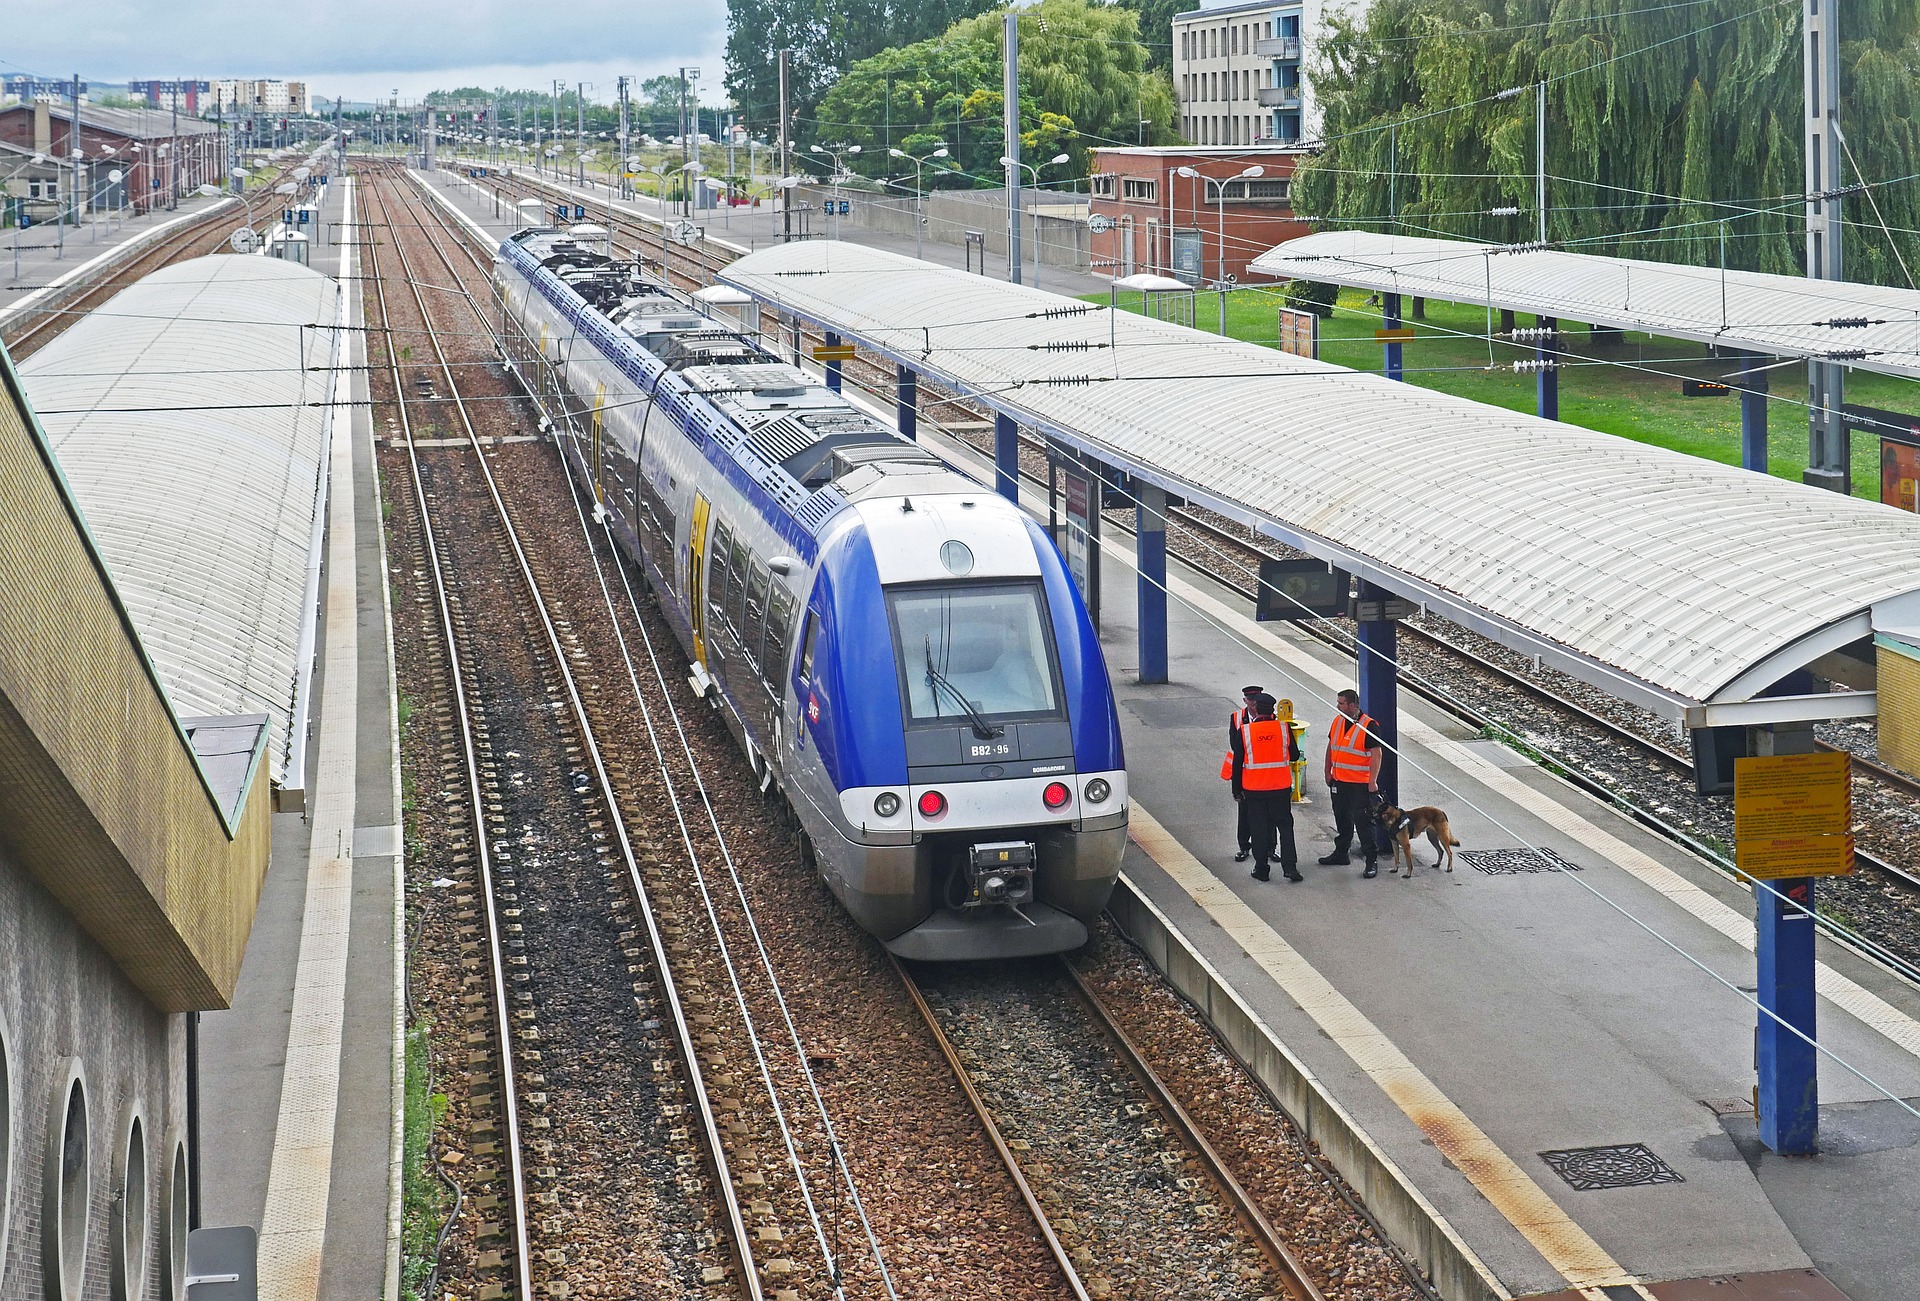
(1513, 862)
(1623, 1165)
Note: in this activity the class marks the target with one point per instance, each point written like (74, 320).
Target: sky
(364, 48)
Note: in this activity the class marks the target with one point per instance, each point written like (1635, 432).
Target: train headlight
(1097, 790)
(932, 804)
(1056, 795)
(886, 804)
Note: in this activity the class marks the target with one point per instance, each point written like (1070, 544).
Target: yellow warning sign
(1793, 815)
(1784, 856)
(833, 352)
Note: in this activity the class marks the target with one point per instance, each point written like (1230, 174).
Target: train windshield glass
(972, 651)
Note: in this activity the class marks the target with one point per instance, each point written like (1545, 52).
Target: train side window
(756, 614)
(779, 622)
(717, 570)
(737, 585)
(808, 639)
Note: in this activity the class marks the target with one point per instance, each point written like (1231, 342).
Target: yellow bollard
(1283, 711)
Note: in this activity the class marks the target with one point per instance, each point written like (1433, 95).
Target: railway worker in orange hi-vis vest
(1243, 827)
(1353, 774)
(1260, 766)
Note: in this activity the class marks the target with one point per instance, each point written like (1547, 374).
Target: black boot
(1338, 858)
(1240, 857)
(1260, 872)
(1373, 869)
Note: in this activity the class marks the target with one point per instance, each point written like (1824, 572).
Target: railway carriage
(898, 650)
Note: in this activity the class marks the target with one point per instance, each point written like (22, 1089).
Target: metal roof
(133, 123)
(190, 416)
(1782, 316)
(1666, 579)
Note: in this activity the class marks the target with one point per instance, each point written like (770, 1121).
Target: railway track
(1130, 1196)
(583, 1079)
(49, 319)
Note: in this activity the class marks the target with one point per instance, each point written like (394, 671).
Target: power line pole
(786, 166)
(73, 148)
(580, 136)
(1540, 155)
(685, 137)
(1829, 462)
(173, 152)
(1010, 127)
(625, 188)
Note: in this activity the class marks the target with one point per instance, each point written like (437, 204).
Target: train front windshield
(974, 650)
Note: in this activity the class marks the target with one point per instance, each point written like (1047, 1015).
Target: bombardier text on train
(899, 651)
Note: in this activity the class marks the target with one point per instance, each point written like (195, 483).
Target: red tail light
(932, 804)
(1056, 795)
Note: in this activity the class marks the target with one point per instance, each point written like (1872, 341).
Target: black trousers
(1271, 813)
(1243, 830)
(1353, 811)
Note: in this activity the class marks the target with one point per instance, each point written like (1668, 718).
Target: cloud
(349, 39)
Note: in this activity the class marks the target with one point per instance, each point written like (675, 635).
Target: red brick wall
(1250, 228)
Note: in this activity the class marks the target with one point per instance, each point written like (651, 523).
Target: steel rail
(462, 712)
(994, 1136)
(682, 1023)
(1293, 1274)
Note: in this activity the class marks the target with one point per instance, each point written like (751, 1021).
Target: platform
(1499, 1016)
(299, 1108)
(34, 258)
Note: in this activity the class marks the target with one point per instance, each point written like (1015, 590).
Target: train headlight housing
(1056, 795)
(886, 804)
(1098, 789)
(932, 804)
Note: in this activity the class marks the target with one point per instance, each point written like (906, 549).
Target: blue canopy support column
(1006, 458)
(1753, 412)
(833, 367)
(1546, 388)
(1390, 320)
(1150, 534)
(1379, 683)
(906, 401)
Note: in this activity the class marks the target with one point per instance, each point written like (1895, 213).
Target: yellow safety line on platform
(1864, 1005)
(1564, 1245)
(293, 1226)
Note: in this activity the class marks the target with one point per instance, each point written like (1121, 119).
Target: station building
(130, 158)
(1237, 72)
(156, 569)
(1147, 216)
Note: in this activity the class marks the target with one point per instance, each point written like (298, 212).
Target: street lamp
(1034, 170)
(919, 195)
(1220, 194)
(839, 169)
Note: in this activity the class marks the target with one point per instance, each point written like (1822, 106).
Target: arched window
(63, 1217)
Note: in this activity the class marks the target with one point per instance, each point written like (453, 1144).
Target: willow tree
(1084, 82)
(1673, 131)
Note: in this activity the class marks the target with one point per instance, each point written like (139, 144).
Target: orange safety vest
(1238, 719)
(1347, 749)
(1265, 764)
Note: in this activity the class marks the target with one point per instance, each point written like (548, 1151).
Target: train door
(598, 428)
(696, 554)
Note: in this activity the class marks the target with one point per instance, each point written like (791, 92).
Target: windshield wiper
(936, 679)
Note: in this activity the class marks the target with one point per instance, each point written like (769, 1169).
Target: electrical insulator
(1534, 334)
(1533, 365)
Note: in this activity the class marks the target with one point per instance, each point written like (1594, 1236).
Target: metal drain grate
(1623, 1165)
(1514, 862)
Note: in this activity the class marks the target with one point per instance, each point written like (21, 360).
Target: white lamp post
(919, 195)
(1034, 170)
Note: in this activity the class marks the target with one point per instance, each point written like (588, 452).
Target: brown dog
(1400, 826)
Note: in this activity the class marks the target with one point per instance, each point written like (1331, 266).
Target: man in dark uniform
(1353, 774)
(1262, 764)
(1243, 830)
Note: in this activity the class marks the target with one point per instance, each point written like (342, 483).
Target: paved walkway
(33, 259)
(300, 1110)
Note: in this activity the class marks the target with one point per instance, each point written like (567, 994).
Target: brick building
(152, 155)
(184, 95)
(1147, 216)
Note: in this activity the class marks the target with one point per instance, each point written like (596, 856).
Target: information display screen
(1300, 589)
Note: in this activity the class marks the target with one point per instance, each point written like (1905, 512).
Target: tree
(1084, 82)
(1156, 28)
(1673, 132)
(825, 37)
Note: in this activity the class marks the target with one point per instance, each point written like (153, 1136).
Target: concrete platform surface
(309, 1156)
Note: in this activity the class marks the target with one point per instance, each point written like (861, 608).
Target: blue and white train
(898, 650)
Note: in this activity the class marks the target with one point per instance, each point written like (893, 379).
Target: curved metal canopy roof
(1665, 579)
(190, 416)
(1781, 316)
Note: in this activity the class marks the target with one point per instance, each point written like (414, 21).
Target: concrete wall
(950, 214)
(62, 997)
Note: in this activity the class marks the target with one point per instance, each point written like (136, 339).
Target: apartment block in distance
(1238, 72)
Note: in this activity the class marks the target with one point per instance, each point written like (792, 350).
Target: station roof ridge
(135, 123)
(190, 416)
(1670, 581)
(1750, 311)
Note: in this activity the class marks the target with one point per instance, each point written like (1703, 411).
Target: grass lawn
(1612, 398)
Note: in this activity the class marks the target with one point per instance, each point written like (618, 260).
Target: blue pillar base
(1380, 688)
(1150, 520)
(1788, 1064)
(833, 367)
(1546, 389)
(1753, 414)
(906, 401)
(1006, 458)
(1390, 320)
